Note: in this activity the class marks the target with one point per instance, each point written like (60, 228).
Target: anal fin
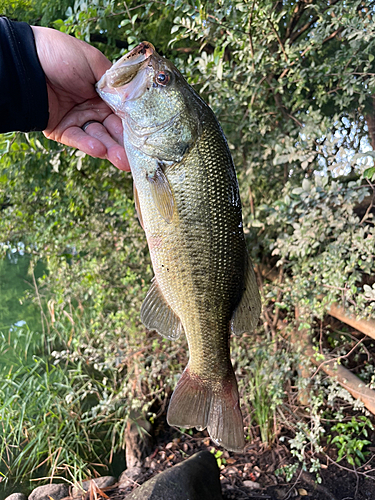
(156, 314)
(196, 403)
(246, 315)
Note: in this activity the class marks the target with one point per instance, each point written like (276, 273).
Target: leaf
(360, 455)
(306, 185)
(369, 172)
(220, 70)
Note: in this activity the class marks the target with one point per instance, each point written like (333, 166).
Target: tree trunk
(370, 120)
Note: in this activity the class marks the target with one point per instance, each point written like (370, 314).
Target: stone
(56, 491)
(16, 496)
(197, 478)
(129, 477)
(101, 482)
(251, 484)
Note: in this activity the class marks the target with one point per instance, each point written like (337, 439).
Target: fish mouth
(130, 68)
(126, 68)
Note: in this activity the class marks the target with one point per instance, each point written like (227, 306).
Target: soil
(252, 474)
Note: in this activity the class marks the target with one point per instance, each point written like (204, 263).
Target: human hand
(72, 67)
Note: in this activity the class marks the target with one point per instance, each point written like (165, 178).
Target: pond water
(17, 311)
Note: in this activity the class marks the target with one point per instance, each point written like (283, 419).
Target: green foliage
(64, 413)
(264, 373)
(44, 410)
(349, 441)
(288, 471)
(220, 460)
(292, 83)
(326, 246)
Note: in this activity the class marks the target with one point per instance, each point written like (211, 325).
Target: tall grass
(64, 413)
(46, 413)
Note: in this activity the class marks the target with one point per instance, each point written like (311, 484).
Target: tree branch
(298, 33)
(364, 326)
(278, 38)
(250, 36)
(297, 14)
(94, 37)
(344, 377)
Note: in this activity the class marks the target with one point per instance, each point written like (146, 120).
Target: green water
(15, 281)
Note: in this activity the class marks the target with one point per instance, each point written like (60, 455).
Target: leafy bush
(292, 84)
(349, 440)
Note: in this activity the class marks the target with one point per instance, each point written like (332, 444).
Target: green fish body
(187, 199)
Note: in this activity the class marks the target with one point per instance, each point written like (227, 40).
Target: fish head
(154, 102)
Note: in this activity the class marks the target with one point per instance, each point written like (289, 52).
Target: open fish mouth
(128, 66)
(128, 80)
(131, 68)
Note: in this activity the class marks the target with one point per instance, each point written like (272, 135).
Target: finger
(77, 138)
(114, 126)
(115, 153)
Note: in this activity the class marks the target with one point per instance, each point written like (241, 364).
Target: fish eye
(163, 78)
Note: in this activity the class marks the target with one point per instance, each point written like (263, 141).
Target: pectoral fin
(157, 315)
(246, 316)
(137, 206)
(162, 194)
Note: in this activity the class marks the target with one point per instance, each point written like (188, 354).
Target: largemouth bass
(187, 199)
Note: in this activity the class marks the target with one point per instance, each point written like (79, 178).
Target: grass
(45, 414)
(64, 414)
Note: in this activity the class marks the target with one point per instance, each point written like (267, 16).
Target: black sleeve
(23, 88)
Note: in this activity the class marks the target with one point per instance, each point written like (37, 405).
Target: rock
(138, 441)
(129, 477)
(101, 482)
(251, 484)
(56, 491)
(16, 496)
(197, 478)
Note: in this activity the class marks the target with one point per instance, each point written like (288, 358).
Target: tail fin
(197, 403)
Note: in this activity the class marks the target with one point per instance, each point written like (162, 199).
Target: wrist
(24, 102)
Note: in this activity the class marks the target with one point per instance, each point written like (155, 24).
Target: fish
(187, 200)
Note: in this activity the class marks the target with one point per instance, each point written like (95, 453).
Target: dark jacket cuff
(23, 88)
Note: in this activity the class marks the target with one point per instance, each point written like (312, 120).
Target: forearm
(23, 89)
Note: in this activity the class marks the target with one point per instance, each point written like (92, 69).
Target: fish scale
(188, 202)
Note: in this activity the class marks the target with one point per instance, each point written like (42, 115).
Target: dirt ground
(252, 474)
